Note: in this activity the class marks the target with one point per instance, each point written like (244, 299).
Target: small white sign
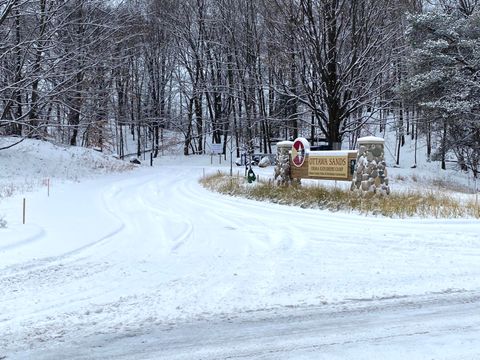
(217, 148)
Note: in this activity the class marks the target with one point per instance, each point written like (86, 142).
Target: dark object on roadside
(251, 177)
(135, 161)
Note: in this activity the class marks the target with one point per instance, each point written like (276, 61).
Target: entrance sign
(321, 165)
(328, 166)
(299, 151)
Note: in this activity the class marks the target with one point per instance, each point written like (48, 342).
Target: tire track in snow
(183, 252)
(444, 327)
(39, 233)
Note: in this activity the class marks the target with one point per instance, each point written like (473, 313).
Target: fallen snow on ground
(30, 164)
(135, 257)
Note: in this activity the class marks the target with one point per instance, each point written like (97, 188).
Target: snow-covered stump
(282, 163)
(370, 174)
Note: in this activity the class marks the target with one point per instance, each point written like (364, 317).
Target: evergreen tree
(444, 80)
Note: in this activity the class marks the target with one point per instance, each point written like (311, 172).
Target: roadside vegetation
(396, 205)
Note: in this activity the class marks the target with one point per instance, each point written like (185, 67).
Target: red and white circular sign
(299, 150)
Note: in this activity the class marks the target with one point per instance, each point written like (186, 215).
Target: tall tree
(343, 60)
(444, 81)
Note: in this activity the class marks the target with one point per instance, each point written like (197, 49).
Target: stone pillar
(282, 163)
(370, 174)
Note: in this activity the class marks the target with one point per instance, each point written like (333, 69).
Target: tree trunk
(199, 122)
(444, 145)
(188, 134)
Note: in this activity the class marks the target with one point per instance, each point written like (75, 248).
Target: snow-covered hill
(28, 165)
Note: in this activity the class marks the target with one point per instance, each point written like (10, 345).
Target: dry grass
(432, 204)
(10, 189)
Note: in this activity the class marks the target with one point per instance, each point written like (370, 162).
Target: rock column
(282, 163)
(370, 174)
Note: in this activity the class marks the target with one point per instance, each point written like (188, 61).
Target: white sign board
(217, 148)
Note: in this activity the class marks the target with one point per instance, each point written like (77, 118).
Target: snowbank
(28, 165)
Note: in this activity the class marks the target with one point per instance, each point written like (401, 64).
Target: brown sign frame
(303, 173)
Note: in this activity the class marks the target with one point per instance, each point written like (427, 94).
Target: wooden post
(24, 206)
(151, 159)
(48, 187)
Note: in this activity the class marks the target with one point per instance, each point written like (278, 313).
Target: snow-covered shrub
(3, 222)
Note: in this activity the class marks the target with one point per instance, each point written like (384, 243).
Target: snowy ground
(146, 264)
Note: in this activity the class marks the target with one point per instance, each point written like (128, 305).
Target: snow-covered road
(150, 265)
(441, 327)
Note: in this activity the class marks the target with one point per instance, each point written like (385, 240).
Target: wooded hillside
(92, 72)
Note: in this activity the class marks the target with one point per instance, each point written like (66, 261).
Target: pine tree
(444, 80)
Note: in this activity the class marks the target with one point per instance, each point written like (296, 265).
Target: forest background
(93, 73)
